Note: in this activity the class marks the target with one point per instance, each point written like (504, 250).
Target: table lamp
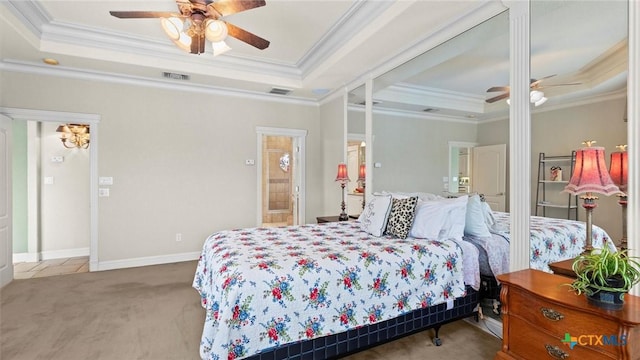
(618, 171)
(343, 179)
(590, 176)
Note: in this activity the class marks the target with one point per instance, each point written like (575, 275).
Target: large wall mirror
(458, 92)
(579, 63)
(434, 100)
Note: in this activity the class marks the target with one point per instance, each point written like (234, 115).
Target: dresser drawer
(530, 343)
(557, 319)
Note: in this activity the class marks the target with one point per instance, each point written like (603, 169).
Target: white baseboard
(25, 257)
(50, 255)
(66, 253)
(144, 261)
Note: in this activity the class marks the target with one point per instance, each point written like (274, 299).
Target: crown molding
(60, 71)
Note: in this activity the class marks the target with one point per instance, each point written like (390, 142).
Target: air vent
(430, 110)
(279, 91)
(175, 76)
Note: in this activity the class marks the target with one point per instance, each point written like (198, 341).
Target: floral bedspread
(264, 287)
(551, 240)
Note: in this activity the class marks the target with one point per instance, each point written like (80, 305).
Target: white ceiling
(320, 47)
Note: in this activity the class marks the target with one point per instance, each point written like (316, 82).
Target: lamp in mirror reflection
(74, 135)
(590, 177)
(343, 178)
(618, 171)
(181, 32)
(536, 97)
(362, 177)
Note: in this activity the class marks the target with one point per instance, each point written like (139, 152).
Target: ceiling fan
(198, 20)
(537, 96)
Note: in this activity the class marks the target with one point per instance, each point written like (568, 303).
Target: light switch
(377, 165)
(105, 180)
(57, 159)
(48, 180)
(249, 162)
(103, 192)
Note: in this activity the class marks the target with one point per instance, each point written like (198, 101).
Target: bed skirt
(351, 341)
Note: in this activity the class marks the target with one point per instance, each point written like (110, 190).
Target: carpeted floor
(153, 313)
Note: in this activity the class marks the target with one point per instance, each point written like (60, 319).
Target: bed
(551, 240)
(321, 291)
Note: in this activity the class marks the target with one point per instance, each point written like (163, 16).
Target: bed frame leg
(436, 340)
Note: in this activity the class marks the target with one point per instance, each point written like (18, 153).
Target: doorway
(87, 182)
(280, 177)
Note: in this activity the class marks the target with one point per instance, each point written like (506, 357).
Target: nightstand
(326, 219)
(563, 268)
(542, 316)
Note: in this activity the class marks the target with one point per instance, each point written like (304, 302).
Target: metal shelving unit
(543, 186)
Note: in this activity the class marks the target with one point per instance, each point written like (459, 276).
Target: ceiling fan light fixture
(184, 42)
(541, 101)
(219, 47)
(536, 96)
(172, 27)
(216, 30)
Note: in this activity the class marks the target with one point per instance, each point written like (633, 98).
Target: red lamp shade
(342, 176)
(590, 173)
(618, 169)
(362, 173)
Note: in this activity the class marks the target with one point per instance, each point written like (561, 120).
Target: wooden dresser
(539, 312)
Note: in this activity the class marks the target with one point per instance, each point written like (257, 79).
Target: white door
(489, 173)
(6, 252)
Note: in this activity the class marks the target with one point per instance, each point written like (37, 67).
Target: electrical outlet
(178, 237)
(249, 162)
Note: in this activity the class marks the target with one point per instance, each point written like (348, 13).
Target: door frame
(6, 263)
(299, 144)
(69, 117)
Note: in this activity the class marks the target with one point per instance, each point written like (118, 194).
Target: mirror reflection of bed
(415, 146)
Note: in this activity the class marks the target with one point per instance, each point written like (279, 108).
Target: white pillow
(488, 215)
(475, 224)
(373, 218)
(456, 210)
(429, 220)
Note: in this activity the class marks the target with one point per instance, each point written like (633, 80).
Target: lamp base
(343, 217)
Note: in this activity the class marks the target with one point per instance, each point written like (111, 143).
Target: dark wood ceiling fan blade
(498, 98)
(498, 88)
(197, 44)
(552, 85)
(228, 7)
(535, 82)
(141, 14)
(249, 38)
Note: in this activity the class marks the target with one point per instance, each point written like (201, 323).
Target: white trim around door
(299, 137)
(68, 117)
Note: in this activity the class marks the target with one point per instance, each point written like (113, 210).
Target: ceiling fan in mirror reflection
(536, 96)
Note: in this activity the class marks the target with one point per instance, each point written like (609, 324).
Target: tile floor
(28, 270)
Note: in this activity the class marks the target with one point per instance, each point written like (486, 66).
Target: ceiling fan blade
(552, 85)
(197, 44)
(141, 14)
(536, 82)
(498, 88)
(498, 98)
(249, 38)
(228, 7)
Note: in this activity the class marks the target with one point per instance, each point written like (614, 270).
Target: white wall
(177, 158)
(558, 132)
(64, 211)
(414, 152)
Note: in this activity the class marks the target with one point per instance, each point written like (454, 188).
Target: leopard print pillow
(401, 217)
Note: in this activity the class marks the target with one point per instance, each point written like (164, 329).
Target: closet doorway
(280, 176)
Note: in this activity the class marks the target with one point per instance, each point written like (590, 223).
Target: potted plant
(605, 276)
